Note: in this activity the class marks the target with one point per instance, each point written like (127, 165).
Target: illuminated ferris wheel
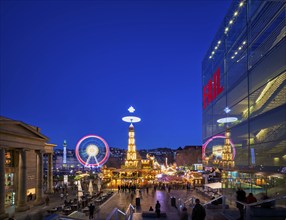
(92, 151)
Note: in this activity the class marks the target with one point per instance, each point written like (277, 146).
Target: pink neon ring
(95, 164)
(215, 137)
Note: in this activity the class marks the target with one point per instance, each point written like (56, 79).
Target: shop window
(9, 159)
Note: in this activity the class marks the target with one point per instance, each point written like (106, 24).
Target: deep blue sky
(73, 68)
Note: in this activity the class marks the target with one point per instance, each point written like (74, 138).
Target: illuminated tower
(131, 152)
(227, 154)
(65, 152)
(131, 158)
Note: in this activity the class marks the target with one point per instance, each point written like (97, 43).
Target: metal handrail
(223, 202)
(128, 214)
(191, 198)
(115, 211)
(182, 203)
(209, 202)
(130, 209)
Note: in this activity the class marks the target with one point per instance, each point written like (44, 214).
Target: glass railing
(268, 208)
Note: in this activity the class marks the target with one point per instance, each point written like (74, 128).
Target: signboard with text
(212, 89)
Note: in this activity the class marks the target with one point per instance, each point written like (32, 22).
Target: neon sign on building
(212, 89)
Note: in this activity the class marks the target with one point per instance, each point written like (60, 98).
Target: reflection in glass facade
(249, 50)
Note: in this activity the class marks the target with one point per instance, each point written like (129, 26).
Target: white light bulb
(241, 4)
(235, 13)
(231, 21)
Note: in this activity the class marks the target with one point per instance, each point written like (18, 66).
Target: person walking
(91, 208)
(199, 212)
(158, 209)
(241, 197)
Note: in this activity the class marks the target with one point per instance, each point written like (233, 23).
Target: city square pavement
(121, 200)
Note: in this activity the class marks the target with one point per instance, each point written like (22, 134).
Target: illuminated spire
(131, 152)
(131, 157)
(65, 152)
(227, 154)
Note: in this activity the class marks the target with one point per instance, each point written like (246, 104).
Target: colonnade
(21, 187)
(2, 184)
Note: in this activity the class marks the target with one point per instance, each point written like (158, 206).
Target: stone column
(39, 179)
(22, 188)
(2, 183)
(50, 180)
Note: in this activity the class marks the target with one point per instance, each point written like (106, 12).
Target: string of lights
(229, 25)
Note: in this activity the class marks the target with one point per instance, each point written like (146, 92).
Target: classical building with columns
(21, 161)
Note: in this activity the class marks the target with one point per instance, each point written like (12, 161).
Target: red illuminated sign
(212, 89)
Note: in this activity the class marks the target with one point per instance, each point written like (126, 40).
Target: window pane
(269, 96)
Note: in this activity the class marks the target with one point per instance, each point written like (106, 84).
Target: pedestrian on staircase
(199, 212)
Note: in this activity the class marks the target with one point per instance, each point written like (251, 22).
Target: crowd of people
(198, 211)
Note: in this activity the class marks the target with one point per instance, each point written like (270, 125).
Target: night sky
(73, 68)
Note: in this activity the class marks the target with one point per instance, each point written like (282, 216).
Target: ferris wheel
(92, 151)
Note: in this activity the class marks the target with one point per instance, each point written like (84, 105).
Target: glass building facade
(244, 85)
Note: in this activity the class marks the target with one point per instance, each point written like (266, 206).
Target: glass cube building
(244, 89)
